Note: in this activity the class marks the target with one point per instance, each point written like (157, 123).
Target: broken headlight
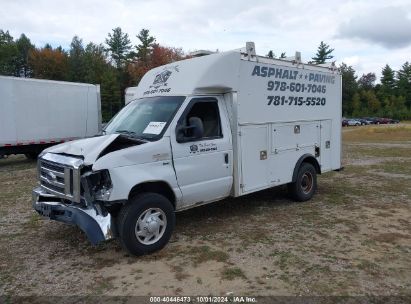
(97, 186)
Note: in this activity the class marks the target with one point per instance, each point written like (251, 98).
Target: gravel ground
(353, 238)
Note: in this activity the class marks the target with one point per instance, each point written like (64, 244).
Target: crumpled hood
(89, 148)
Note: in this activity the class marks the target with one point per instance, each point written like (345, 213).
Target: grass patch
(179, 273)
(361, 152)
(381, 133)
(33, 222)
(232, 274)
(204, 254)
(284, 259)
(390, 237)
(369, 267)
(403, 167)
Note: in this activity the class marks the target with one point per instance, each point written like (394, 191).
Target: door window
(207, 111)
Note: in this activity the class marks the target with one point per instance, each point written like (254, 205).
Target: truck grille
(60, 179)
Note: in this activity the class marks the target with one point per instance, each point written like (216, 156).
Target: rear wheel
(146, 223)
(305, 185)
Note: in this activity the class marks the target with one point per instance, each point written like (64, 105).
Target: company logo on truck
(160, 80)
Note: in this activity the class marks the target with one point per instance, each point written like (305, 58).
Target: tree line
(117, 64)
(391, 98)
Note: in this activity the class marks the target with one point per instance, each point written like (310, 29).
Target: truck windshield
(145, 118)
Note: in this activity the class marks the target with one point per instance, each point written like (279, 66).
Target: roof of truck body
(215, 73)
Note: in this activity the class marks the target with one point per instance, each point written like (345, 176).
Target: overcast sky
(365, 34)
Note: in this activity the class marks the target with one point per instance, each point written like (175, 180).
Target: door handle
(226, 158)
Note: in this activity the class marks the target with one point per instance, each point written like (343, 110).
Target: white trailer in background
(35, 114)
(195, 132)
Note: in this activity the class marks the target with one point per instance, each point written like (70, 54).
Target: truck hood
(90, 149)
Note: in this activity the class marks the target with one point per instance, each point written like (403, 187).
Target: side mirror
(193, 131)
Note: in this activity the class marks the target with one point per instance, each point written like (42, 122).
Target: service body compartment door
(325, 154)
(254, 157)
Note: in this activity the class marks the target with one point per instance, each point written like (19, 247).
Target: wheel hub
(307, 182)
(151, 225)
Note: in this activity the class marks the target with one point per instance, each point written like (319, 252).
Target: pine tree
(404, 83)
(387, 82)
(95, 63)
(145, 47)
(349, 87)
(24, 47)
(76, 60)
(323, 53)
(119, 46)
(110, 94)
(8, 54)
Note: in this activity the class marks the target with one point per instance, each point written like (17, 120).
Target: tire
(305, 185)
(139, 226)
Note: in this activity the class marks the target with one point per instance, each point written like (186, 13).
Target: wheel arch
(159, 187)
(306, 158)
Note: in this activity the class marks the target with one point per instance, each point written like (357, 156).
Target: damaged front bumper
(96, 222)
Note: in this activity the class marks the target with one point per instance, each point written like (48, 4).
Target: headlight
(99, 185)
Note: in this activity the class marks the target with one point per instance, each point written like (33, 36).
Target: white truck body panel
(267, 99)
(43, 111)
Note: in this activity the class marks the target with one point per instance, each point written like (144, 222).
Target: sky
(366, 34)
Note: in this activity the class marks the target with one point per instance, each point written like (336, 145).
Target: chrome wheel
(307, 182)
(150, 226)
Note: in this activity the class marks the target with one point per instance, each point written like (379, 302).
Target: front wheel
(305, 185)
(146, 223)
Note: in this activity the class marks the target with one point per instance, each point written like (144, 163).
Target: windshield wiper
(131, 134)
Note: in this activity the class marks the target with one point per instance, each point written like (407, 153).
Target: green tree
(145, 47)
(8, 54)
(283, 55)
(270, 54)
(110, 94)
(356, 105)
(119, 46)
(323, 53)
(349, 88)
(95, 63)
(371, 104)
(76, 60)
(387, 82)
(404, 83)
(24, 46)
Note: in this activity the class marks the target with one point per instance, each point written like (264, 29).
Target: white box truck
(194, 132)
(36, 114)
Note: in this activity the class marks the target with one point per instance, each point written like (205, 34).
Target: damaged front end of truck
(70, 191)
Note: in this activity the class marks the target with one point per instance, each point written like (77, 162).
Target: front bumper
(96, 223)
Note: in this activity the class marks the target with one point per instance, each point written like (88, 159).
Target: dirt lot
(353, 238)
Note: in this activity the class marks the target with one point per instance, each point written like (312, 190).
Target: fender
(309, 158)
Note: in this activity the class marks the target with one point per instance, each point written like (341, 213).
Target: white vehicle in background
(353, 122)
(195, 132)
(36, 114)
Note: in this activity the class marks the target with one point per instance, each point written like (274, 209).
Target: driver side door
(204, 165)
